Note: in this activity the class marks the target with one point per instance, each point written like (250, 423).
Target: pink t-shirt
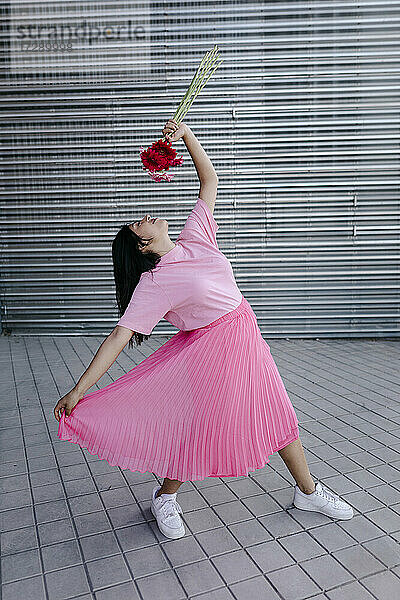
(191, 286)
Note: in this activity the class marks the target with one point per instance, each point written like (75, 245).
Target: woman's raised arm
(204, 167)
(203, 164)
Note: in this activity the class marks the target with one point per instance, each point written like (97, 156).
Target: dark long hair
(129, 264)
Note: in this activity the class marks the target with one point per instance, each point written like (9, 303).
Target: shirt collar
(170, 255)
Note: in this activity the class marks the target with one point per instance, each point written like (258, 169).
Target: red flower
(158, 158)
(154, 161)
(176, 162)
(160, 176)
(164, 148)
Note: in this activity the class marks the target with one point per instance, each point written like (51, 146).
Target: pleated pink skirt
(208, 403)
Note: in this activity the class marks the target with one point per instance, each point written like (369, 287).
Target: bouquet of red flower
(160, 156)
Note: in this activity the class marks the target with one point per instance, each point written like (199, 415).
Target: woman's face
(149, 227)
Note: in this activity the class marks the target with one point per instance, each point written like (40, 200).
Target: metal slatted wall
(301, 122)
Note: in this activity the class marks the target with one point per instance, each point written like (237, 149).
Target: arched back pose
(210, 401)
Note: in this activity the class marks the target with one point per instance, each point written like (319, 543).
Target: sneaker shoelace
(328, 495)
(170, 507)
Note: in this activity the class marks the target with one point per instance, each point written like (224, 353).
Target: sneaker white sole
(343, 516)
(173, 535)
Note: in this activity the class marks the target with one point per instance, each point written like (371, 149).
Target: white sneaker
(166, 510)
(324, 501)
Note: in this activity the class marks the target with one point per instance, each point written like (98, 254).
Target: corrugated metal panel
(301, 122)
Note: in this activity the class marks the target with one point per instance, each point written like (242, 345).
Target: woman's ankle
(160, 491)
(307, 489)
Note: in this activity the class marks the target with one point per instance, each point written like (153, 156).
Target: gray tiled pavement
(75, 527)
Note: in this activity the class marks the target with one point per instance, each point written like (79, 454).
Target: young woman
(210, 401)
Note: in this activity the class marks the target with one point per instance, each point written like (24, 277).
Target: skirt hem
(294, 434)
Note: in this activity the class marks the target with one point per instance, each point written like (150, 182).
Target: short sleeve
(200, 224)
(147, 306)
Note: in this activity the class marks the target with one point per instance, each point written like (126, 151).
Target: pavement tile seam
(311, 371)
(316, 428)
(303, 563)
(64, 489)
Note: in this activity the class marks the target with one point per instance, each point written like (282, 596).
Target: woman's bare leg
(293, 457)
(169, 486)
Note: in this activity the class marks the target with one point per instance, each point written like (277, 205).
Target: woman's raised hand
(66, 403)
(173, 132)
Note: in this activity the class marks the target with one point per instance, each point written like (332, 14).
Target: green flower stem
(203, 83)
(208, 63)
(184, 108)
(186, 96)
(207, 67)
(199, 80)
(188, 93)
